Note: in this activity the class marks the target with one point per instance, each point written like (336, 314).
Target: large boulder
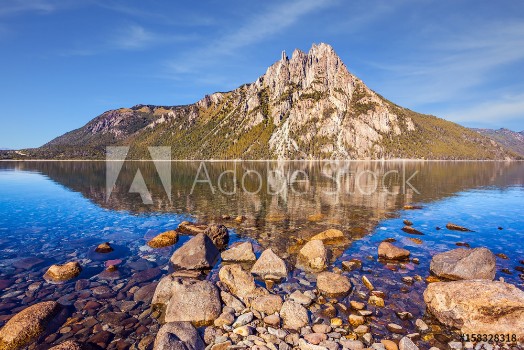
(165, 239)
(269, 264)
(313, 256)
(242, 252)
(27, 325)
(464, 264)
(294, 315)
(164, 290)
(64, 272)
(218, 234)
(478, 306)
(178, 336)
(240, 282)
(193, 301)
(196, 254)
(389, 251)
(333, 284)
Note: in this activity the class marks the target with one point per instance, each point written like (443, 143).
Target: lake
(54, 212)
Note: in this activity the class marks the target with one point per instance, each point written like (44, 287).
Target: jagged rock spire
(284, 56)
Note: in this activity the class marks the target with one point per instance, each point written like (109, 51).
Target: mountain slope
(513, 141)
(308, 106)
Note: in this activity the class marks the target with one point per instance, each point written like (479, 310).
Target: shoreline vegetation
(298, 301)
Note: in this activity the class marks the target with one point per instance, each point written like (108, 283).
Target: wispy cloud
(128, 37)
(18, 6)
(258, 27)
(495, 113)
(457, 64)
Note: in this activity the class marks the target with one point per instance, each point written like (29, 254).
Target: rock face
(313, 256)
(193, 301)
(240, 282)
(59, 273)
(294, 315)
(464, 264)
(218, 234)
(27, 325)
(196, 254)
(389, 251)
(269, 264)
(478, 306)
(242, 252)
(333, 284)
(308, 99)
(165, 239)
(178, 336)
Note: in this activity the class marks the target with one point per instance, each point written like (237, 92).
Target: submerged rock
(69, 345)
(64, 272)
(329, 236)
(313, 256)
(242, 252)
(333, 284)
(478, 306)
(464, 264)
(190, 228)
(165, 239)
(196, 254)
(240, 282)
(104, 248)
(454, 227)
(269, 264)
(392, 252)
(193, 301)
(411, 230)
(218, 234)
(178, 336)
(27, 325)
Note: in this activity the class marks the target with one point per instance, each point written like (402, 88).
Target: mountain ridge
(511, 140)
(308, 106)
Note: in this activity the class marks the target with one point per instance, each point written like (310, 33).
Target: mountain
(308, 106)
(513, 141)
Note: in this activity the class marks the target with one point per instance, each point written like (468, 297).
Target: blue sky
(63, 62)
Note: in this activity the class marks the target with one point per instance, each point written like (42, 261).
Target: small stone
(243, 319)
(300, 298)
(336, 322)
(313, 256)
(329, 236)
(315, 338)
(321, 328)
(389, 251)
(196, 254)
(357, 305)
(165, 239)
(243, 331)
(453, 227)
(294, 315)
(269, 264)
(104, 248)
(218, 234)
(267, 304)
(59, 273)
(421, 325)
(407, 344)
(272, 320)
(225, 318)
(352, 265)
(394, 328)
(407, 222)
(242, 252)
(389, 344)
(367, 283)
(332, 284)
(377, 301)
(355, 320)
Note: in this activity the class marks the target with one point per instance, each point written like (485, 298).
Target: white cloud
(17, 6)
(497, 112)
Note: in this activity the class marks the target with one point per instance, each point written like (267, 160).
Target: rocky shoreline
(221, 296)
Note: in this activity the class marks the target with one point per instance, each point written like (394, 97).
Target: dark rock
(196, 254)
(218, 234)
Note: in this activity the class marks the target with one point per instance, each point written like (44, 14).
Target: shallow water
(53, 212)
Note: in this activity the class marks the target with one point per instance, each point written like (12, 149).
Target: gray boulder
(196, 254)
(464, 264)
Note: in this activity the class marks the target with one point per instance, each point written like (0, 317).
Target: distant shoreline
(265, 160)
